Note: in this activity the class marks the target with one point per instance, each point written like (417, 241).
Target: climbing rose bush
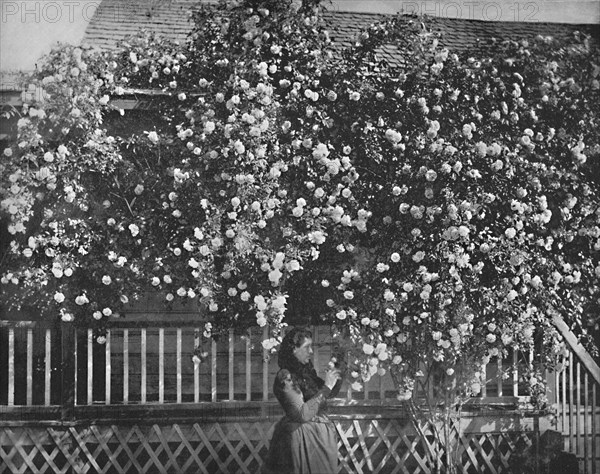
(220, 203)
(440, 211)
(483, 187)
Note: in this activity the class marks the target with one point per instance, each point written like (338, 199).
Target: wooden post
(197, 367)
(47, 367)
(552, 387)
(125, 366)
(265, 366)
(213, 371)
(248, 366)
(108, 367)
(67, 371)
(11, 366)
(90, 366)
(178, 361)
(231, 342)
(29, 379)
(536, 440)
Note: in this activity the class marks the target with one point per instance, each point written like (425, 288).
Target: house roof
(116, 19)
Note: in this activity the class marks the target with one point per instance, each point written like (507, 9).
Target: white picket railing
(142, 362)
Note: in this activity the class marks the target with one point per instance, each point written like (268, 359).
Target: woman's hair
(292, 340)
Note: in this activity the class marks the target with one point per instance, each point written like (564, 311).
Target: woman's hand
(331, 378)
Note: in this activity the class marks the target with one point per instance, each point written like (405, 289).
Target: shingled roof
(116, 19)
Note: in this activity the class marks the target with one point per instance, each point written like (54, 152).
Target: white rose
(81, 300)
(134, 229)
(67, 317)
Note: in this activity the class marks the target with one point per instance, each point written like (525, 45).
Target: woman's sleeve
(297, 409)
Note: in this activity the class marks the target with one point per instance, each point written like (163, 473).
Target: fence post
(67, 371)
(536, 440)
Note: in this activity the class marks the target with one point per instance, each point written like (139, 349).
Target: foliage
(484, 206)
(440, 210)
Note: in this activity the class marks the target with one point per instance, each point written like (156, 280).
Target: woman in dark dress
(304, 440)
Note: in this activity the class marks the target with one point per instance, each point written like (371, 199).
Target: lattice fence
(365, 446)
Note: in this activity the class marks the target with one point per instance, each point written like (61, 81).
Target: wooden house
(139, 403)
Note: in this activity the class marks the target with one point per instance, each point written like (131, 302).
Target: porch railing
(58, 365)
(62, 375)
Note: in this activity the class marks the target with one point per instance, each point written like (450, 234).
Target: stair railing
(577, 390)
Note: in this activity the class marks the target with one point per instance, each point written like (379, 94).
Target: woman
(304, 440)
